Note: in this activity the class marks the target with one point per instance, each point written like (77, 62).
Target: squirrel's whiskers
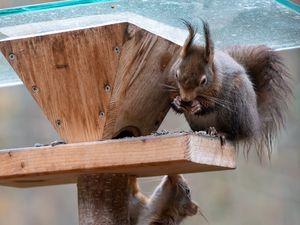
(242, 91)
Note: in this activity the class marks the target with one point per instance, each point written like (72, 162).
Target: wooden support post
(103, 199)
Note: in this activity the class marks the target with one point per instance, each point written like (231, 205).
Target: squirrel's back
(270, 79)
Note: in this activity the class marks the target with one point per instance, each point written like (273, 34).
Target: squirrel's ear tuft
(173, 179)
(209, 45)
(189, 40)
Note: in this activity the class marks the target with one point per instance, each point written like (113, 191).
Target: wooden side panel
(70, 75)
(143, 156)
(139, 101)
(95, 83)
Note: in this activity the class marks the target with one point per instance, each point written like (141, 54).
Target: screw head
(107, 88)
(12, 56)
(102, 115)
(58, 123)
(35, 89)
(117, 50)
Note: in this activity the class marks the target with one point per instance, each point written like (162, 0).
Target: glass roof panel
(22, 7)
(232, 22)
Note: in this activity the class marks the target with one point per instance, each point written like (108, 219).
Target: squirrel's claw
(223, 140)
(177, 105)
(212, 131)
(195, 108)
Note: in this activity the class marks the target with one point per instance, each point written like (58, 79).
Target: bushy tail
(271, 82)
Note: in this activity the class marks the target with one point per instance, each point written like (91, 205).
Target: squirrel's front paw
(177, 105)
(195, 107)
(213, 132)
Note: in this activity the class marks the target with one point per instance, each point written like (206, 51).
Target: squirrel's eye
(203, 80)
(177, 74)
(187, 191)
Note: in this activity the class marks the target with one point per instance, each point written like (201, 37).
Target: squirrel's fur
(137, 200)
(242, 91)
(169, 204)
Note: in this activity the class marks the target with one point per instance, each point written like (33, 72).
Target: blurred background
(254, 193)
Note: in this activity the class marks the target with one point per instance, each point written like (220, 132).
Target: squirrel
(137, 200)
(169, 204)
(240, 92)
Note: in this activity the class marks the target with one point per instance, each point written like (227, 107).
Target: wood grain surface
(142, 156)
(96, 82)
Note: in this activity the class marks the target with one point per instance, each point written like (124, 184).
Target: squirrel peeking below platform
(169, 204)
(242, 92)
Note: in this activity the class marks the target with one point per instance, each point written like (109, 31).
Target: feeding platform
(96, 84)
(99, 83)
(97, 78)
(141, 156)
(96, 72)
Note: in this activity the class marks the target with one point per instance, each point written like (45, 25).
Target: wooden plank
(142, 156)
(96, 82)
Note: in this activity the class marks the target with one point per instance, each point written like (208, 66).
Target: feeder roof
(232, 22)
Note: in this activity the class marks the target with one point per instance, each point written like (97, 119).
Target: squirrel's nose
(187, 95)
(186, 99)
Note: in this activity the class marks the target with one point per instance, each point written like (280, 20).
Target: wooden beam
(142, 156)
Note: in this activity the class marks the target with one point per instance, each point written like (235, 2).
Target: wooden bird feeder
(95, 84)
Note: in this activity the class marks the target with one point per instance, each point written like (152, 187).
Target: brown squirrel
(137, 200)
(169, 204)
(241, 92)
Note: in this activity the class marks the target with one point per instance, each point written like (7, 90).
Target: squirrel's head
(183, 202)
(194, 72)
